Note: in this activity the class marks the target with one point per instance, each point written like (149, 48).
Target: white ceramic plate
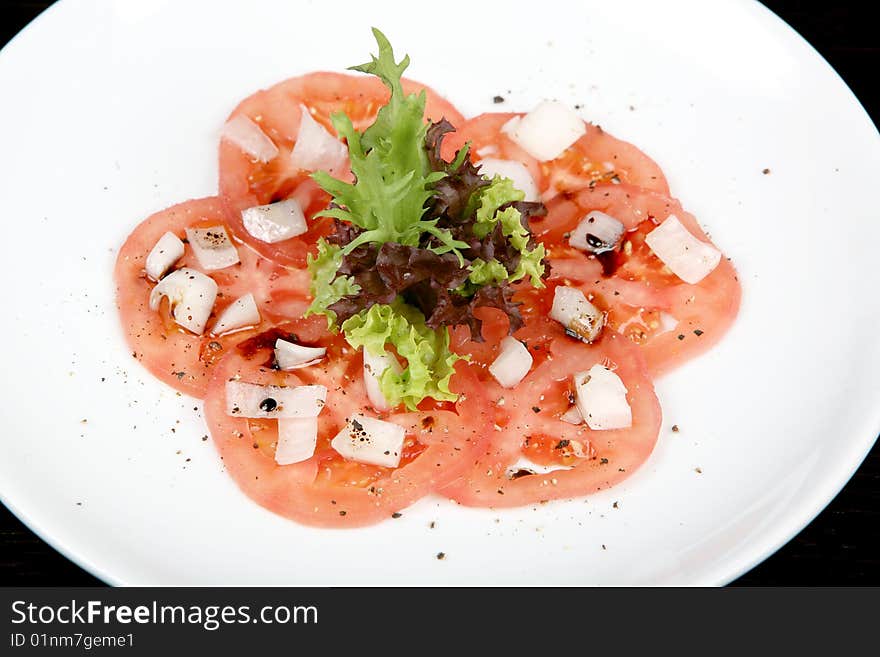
(111, 111)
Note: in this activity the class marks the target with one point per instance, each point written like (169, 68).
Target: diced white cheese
(547, 131)
(212, 247)
(512, 364)
(255, 401)
(572, 415)
(168, 250)
(248, 136)
(689, 258)
(601, 399)
(239, 314)
(597, 232)
(514, 170)
(191, 295)
(374, 367)
(315, 148)
(276, 221)
(667, 322)
(297, 438)
(368, 440)
(292, 356)
(576, 314)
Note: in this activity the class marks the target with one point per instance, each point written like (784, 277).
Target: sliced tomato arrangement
(245, 182)
(595, 158)
(529, 434)
(327, 490)
(495, 446)
(672, 321)
(174, 355)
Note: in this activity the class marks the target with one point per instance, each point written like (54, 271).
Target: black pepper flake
(498, 99)
(433, 524)
(614, 506)
(204, 438)
(268, 405)
(562, 444)
(766, 171)
(396, 515)
(342, 513)
(441, 556)
(681, 336)
(536, 409)
(698, 332)
(674, 428)
(603, 461)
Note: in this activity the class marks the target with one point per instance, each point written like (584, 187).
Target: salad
(386, 300)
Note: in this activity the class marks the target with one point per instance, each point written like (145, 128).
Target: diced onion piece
(248, 136)
(239, 314)
(546, 131)
(254, 401)
(212, 247)
(597, 232)
(191, 295)
(168, 250)
(315, 148)
(374, 367)
(292, 356)
(579, 317)
(512, 364)
(297, 438)
(572, 415)
(689, 258)
(601, 399)
(368, 440)
(514, 170)
(276, 221)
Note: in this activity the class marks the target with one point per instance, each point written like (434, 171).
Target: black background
(840, 547)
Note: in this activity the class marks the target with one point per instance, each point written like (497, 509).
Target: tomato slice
(245, 183)
(174, 355)
(528, 430)
(595, 158)
(671, 320)
(442, 440)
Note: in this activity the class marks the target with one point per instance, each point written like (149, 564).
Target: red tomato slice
(172, 354)
(594, 158)
(441, 442)
(528, 424)
(642, 292)
(245, 183)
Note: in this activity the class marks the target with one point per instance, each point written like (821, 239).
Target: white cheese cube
(547, 131)
(297, 438)
(512, 364)
(168, 250)
(275, 222)
(601, 399)
(255, 401)
(212, 247)
(368, 440)
(689, 258)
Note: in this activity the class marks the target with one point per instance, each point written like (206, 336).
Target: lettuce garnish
(419, 242)
(430, 363)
